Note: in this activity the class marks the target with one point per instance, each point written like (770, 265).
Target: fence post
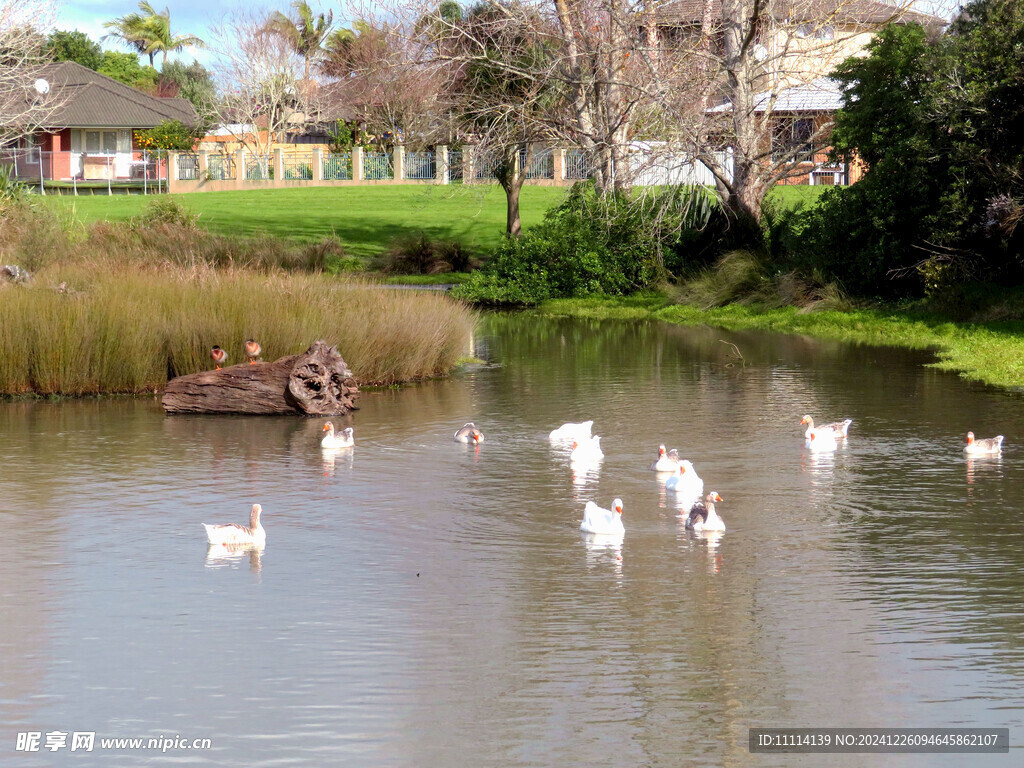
(239, 169)
(468, 161)
(441, 164)
(318, 164)
(204, 165)
(559, 162)
(278, 171)
(398, 163)
(357, 163)
(172, 170)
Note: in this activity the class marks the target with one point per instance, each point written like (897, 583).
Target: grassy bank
(991, 352)
(114, 309)
(365, 219)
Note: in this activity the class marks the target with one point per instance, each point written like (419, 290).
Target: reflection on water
(427, 603)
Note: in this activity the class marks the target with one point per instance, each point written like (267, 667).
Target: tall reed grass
(127, 319)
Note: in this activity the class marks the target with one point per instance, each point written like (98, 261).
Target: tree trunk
(315, 383)
(511, 176)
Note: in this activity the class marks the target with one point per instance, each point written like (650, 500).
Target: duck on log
(315, 383)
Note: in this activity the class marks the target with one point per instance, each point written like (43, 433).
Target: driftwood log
(315, 383)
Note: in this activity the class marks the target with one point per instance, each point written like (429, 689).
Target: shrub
(165, 210)
(593, 244)
(419, 255)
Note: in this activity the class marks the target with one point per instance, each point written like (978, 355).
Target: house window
(791, 136)
(104, 142)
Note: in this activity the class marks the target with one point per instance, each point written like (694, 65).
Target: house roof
(797, 11)
(821, 95)
(87, 99)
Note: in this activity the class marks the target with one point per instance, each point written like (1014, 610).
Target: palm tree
(162, 41)
(306, 33)
(149, 32)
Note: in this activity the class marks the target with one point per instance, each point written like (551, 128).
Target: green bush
(593, 244)
(165, 210)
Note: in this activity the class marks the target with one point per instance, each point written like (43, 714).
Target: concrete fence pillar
(559, 158)
(468, 164)
(318, 164)
(357, 163)
(239, 169)
(441, 164)
(204, 165)
(278, 173)
(172, 171)
(398, 162)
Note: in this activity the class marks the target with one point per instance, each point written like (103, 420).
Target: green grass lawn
(366, 219)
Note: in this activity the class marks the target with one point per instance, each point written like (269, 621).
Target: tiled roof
(88, 99)
(797, 11)
(821, 95)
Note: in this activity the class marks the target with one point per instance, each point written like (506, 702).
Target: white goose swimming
(838, 428)
(667, 462)
(703, 516)
(587, 449)
(332, 440)
(570, 431)
(233, 533)
(469, 434)
(686, 482)
(986, 446)
(606, 522)
(822, 440)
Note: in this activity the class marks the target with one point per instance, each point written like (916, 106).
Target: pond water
(424, 603)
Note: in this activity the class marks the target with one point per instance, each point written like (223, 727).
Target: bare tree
(766, 63)
(25, 97)
(259, 74)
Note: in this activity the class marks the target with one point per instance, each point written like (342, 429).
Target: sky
(198, 17)
(194, 17)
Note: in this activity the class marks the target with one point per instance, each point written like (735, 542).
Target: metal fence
(258, 168)
(297, 167)
(220, 167)
(541, 165)
(95, 171)
(378, 166)
(420, 166)
(337, 167)
(577, 165)
(188, 168)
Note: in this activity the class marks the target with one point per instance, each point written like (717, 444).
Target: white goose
(570, 431)
(667, 462)
(606, 522)
(469, 434)
(233, 533)
(332, 440)
(986, 446)
(686, 482)
(839, 428)
(820, 440)
(703, 516)
(587, 449)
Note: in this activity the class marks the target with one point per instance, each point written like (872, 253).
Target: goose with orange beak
(469, 434)
(667, 462)
(686, 482)
(332, 440)
(703, 516)
(986, 446)
(605, 522)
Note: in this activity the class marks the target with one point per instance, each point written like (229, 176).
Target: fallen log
(315, 383)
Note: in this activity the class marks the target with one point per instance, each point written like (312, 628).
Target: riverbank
(121, 308)
(989, 352)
